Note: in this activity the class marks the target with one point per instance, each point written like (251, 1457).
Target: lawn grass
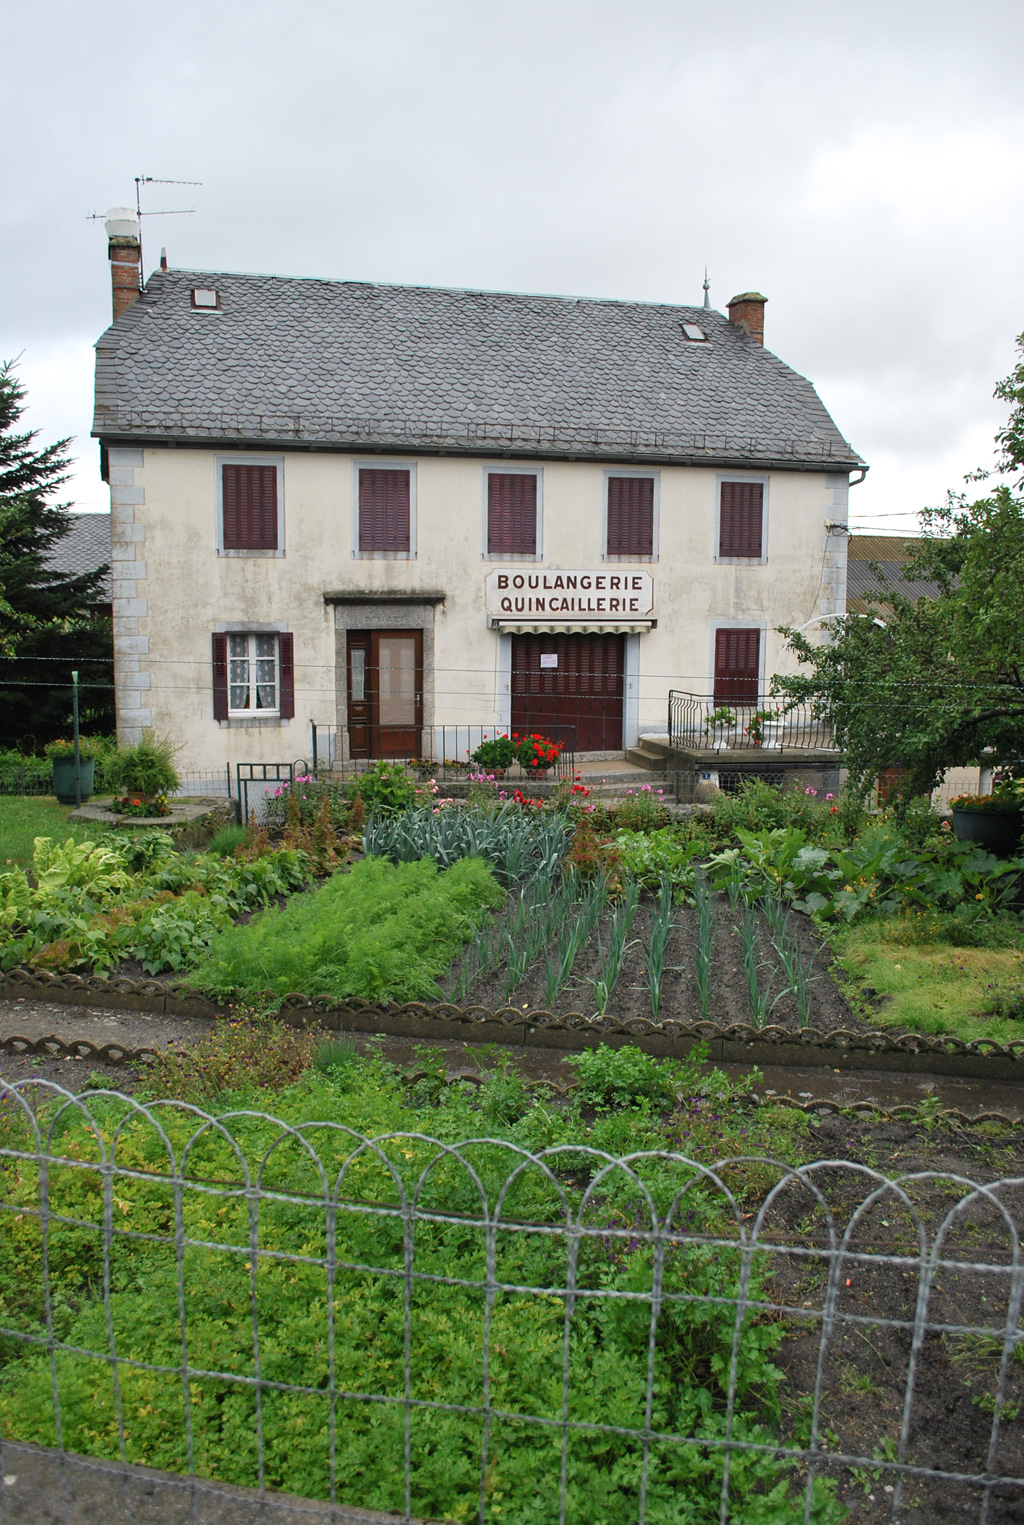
(22, 819)
(930, 987)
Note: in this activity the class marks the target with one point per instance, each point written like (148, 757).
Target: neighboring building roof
(359, 366)
(85, 547)
(870, 555)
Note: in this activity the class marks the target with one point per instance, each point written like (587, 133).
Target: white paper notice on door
(549, 659)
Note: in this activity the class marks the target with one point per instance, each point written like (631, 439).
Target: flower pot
(719, 737)
(999, 831)
(772, 734)
(71, 779)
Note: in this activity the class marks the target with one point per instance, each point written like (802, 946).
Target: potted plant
(144, 771)
(718, 726)
(538, 753)
(72, 781)
(497, 753)
(992, 820)
(759, 721)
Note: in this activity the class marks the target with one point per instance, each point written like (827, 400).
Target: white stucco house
(394, 510)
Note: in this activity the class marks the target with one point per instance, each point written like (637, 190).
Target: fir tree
(48, 622)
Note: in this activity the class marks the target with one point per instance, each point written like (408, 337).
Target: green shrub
(641, 809)
(623, 1077)
(146, 768)
(380, 932)
(758, 806)
(385, 788)
(227, 841)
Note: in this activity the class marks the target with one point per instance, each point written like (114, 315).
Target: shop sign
(570, 596)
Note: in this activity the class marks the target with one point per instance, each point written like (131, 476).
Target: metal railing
(477, 1331)
(446, 751)
(763, 725)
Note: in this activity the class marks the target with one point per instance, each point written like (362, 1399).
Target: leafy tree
(939, 683)
(47, 626)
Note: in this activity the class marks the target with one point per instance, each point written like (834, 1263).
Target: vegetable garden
(742, 913)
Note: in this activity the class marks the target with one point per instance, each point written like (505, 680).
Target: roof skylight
(696, 334)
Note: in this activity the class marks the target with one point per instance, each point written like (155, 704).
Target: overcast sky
(862, 164)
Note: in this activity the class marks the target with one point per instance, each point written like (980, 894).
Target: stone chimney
(748, 311)
(125, 253)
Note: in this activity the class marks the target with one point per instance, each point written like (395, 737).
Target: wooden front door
(570, 688)
(385, 693)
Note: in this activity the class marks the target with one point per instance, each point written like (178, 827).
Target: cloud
(860, 164)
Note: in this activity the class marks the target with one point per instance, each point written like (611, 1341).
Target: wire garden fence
(233, 1311)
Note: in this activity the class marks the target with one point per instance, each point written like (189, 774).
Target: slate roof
(351, 365)
(85, 547)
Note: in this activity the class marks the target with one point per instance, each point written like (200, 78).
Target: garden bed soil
(630, 999)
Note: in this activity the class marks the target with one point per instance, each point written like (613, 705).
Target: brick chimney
(125, 253)
(748, 311)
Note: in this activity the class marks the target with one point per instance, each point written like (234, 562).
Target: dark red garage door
(566, 683)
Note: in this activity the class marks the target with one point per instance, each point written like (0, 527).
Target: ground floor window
(253, 675)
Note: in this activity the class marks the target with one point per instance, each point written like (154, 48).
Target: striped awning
(564, 627)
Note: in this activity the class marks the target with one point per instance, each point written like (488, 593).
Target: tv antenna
(140, 181)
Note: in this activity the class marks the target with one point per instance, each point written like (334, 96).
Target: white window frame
(655, 477)
(382, 465)
(742, 561)
(251, 636)
(221, 461)
(509, 469)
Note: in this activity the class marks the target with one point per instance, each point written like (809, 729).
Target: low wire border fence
(870, 1277)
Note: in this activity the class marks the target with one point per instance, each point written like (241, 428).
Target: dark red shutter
(511, 513)
(737, 666)
(740, 519)
(249, 498)
(220, 677)
(383, 510)
(286, 675)
(630, 516)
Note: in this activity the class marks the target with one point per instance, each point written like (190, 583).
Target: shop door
(571, 688)
(385, 693)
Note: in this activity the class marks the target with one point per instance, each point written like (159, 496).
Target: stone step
(648, 754)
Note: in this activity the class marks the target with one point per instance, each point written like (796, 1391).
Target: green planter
(999, 831)
(67, 776)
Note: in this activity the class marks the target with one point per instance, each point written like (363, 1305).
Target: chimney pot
(748, 311)
(124, 250)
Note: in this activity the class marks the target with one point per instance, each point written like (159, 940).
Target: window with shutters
(741, 521)
(385, 511)
(512, 519)
(253, 675)
(250, 520)
(737, 665)
(629, 518)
